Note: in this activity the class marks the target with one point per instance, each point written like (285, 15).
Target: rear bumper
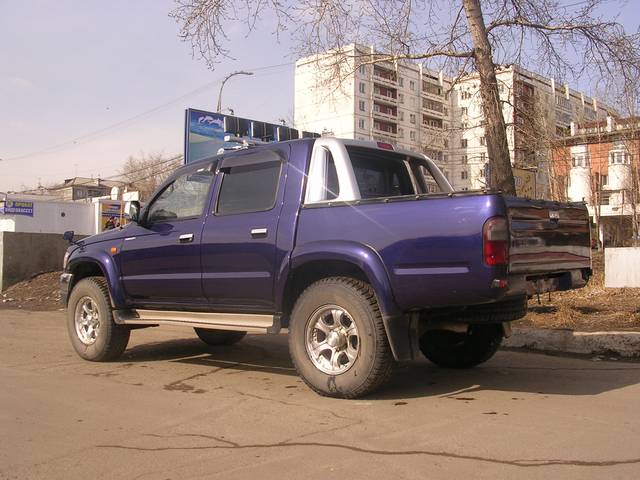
(65, 283)
(550, 282)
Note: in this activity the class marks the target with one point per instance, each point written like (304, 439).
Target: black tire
(219, 337)
(373, 361)
(461, 350)
(109, 339)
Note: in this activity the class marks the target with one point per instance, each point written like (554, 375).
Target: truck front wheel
(337, 339)
(461, 350)
(93, 333)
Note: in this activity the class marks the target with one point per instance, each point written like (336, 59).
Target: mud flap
(403, 336)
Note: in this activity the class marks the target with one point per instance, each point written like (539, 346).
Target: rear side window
(379, 173)
(249, 188)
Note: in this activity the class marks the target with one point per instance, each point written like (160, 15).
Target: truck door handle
(259, 232)
(186, 238)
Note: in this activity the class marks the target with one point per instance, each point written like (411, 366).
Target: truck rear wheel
(337, 340)
(93, 333)
(461, 350)
(219, 337)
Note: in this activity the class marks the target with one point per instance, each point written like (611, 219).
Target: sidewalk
(624, 344)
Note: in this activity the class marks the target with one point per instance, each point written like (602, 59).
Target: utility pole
(240, 72)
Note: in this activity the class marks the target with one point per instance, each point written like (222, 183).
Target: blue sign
(204, 134)
(13, 207)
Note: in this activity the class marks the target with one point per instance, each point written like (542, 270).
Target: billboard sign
(16, 207)
(112, 215)
(205, 133)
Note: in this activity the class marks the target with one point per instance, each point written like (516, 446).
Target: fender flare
(396, 323)
(110, 271)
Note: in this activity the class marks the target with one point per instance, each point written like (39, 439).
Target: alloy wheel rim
(332, 340)
(87, 320)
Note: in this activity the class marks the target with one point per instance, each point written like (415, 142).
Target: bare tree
(575, 39)
(147, 172)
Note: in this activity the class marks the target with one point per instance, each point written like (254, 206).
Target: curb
(624, 344)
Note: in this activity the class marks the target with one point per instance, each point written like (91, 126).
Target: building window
(412, 85)
(483, 141)
(445, 143)
(465, 95)
(465, 159)
(361, 123)
(412, 135)
(361, 105)
(463, 175)
(401, 81)
(482, 157)
(401, 97)
(464, 143)
(401, 115)
(362, 88)
(412, 118)
(580, 160)
(400, 133)
(465, 111)
(363, 69)
(464, 125)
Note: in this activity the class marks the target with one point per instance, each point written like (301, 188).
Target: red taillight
(495, 241)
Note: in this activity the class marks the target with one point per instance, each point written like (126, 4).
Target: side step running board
(223, 321)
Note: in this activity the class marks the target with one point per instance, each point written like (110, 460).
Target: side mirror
(133, 210)
(68, 236)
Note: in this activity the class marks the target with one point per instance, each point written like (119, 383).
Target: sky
(84, 84)
(72, 68)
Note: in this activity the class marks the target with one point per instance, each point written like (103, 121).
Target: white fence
(622, 268)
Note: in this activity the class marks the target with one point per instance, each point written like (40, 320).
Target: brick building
(598, 162)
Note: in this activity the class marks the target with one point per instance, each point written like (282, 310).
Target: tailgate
(548, 237)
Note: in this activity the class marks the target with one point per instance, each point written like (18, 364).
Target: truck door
(239, 239)
(160, 257)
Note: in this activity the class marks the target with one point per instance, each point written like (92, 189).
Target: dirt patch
(42, 292)
(588, 309)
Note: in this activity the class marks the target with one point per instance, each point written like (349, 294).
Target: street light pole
(241, 72)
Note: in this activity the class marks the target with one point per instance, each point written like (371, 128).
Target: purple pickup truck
(363, 253)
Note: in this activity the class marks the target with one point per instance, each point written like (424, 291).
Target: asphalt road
(173, 408)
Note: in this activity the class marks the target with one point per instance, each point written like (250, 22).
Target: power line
(132, 119)
(113, 177)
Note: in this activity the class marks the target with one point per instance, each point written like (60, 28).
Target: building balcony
(432, 128)
(435, 113)
(385, 81)
(385, 116)
(433, 95)
(385, 99)
(377, 131)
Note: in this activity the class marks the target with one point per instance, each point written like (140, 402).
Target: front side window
(183, 198)
(249, 188)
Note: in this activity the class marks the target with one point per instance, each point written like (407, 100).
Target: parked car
(364, 253)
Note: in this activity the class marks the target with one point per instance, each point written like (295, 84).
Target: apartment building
(399, 102)
(422, 110)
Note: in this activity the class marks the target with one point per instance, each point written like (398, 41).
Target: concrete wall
(23, 255)
(622, 267)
